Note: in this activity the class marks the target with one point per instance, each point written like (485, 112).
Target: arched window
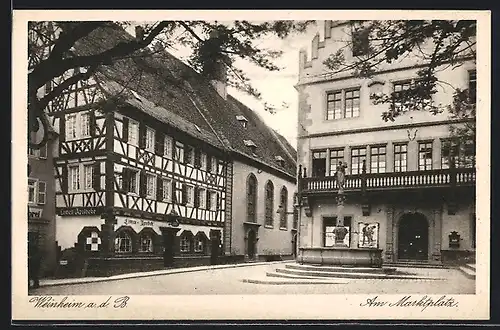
(284, 205)
(269, 203)
(251, 198)
(186, 242)
(200, 242)
(123, 242)
(146, 242)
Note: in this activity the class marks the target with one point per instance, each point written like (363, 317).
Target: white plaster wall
(271, 240)
(68, 228)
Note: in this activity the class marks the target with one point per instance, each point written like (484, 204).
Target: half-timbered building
(146, 167)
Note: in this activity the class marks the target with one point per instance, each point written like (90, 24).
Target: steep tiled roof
(172, 92)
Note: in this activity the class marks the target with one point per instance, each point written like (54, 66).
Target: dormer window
(251, 145)
(280, 160)
(242, 120)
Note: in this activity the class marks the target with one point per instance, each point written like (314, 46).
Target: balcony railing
(393, 180)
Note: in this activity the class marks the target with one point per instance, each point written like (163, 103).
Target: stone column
(389, 249)
(436, 253)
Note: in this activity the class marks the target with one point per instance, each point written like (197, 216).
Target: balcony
(390, 181)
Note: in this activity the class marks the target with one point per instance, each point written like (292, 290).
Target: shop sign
(139, 224)
(79, 211)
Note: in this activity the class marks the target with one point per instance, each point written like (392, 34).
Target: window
(42, 192)
(377, 159)
(343, 104)
(336, 156)
(213, 165)
(358, 155)
(179, 196)
(449, 149)
(463, 152)
(213, 201)
(203, 160)
(150, 139)
(85, 124)
(132, 181)
(185, 243)
(199, 243)
(251, 198)
(133, 132)
(179, 152)
(31, 191)
(74, 178)
(400, 155)
(167, 190)
(146, 241)
(351, 104)
(88, 171)
(334, 105)
(168, 146)
(123, 243)
(360, 42)
(284, 205)
(472, 86)
(40, 153)
(77, 125)
(202, 198)
(189, 195)
(425, 156)
(71, 126)
(269, 204)
(189, 155)
(318, 163)
(403, 95)
(329, 223)
(150, 185)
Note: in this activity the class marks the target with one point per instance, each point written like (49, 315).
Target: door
(251, 244)
(169, 236)
(215, 249)
(413, 237)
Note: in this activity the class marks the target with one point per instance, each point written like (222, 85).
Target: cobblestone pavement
(229, 281)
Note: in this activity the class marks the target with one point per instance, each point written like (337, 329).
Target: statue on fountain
(340, 176)
(340, 231)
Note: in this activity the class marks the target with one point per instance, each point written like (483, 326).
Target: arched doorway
(413, 237)
(251, 243)
(294, 245)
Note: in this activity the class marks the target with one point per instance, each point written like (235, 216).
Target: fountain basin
(340, 256)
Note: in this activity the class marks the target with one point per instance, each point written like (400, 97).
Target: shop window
(186, 242)
(146, 243)
(200, 242)
(123, 242)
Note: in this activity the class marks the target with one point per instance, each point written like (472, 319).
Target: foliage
(51, 52)
(438, 43)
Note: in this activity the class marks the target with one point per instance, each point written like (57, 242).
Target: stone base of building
(340, 256)
(452, 257)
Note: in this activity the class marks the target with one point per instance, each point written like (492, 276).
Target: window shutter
(196, 201)
(125, 129)
(96, 173)
(208, 201)
(159, 189)
(142, 136)
(43, 151)
(197, 158)
(160, 143)
(209, 163)
(92, 123)
(62, 128)
(184, 194)
(125, 180)
(186, 154)
(217, 206)
(174, 192)
(142, 183)
(42, 192)
(64, 179)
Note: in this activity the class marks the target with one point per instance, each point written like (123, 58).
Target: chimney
(219, 76)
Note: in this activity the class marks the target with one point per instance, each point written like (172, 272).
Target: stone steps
(413, 264)
(343, 269)
(352, 275)
(290, 281)
(469, 270)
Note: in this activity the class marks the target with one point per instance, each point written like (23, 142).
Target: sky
(276, 87)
